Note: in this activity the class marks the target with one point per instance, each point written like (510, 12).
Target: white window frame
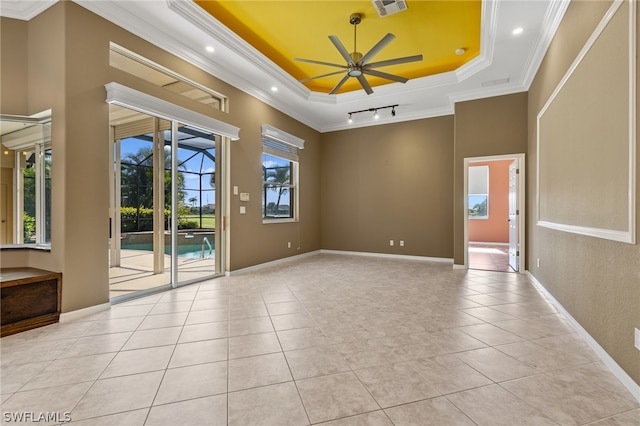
(286, 146)
(478, 193)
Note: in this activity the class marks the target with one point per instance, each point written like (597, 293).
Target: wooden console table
(29, 298)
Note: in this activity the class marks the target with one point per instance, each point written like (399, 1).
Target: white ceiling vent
(389, 7)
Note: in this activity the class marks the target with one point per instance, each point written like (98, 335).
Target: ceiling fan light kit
(357, 64)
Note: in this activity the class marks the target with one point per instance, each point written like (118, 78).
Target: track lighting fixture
(376, 114)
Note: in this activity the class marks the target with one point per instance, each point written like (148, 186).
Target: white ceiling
(507, 63)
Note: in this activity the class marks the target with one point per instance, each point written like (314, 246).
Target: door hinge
(517, 212)
(224, 223)
(517, 171)
(518, 253)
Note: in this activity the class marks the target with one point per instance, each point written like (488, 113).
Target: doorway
(494, 209)
(165, 183)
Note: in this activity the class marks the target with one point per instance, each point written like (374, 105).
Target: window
(478, 192)
(26, 164)
(141, 67)
(279, 175)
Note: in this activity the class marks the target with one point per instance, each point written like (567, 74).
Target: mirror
(25, 180)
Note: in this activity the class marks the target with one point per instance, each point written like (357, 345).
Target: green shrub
(29, 227)
(141, 219)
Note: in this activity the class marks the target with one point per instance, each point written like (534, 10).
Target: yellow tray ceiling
(283, 30)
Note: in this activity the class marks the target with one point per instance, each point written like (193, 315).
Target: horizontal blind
(280, 143)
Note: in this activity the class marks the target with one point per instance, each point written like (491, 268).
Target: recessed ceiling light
(210, 49)
(460, 51)
(274, 89)
(517, 31)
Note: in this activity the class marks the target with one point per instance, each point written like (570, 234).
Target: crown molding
(207, 23)
(399, 118)
(24, 10)
(552, 21)
(488, 30)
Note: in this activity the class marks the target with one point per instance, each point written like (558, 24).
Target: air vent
(389, 7)
(495, 82)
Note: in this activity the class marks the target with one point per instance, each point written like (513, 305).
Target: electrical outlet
(391, 243)
(401, 243)
(289, 244)
(637, 335)
(538, 262)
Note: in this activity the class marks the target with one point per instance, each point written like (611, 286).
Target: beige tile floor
(345, 340)
(135, 272)
(489, 257)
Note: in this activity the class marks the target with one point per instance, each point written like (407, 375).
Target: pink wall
(496, 228)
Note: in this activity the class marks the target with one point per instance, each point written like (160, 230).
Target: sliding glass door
(163, 204)
(196, 168)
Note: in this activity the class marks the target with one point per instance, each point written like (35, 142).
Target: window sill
(41, 247)
(268, 221)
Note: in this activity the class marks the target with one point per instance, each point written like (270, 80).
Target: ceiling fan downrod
(354, 20)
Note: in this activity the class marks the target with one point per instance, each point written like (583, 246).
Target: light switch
(243, 209)
(244, 196)
(235, 190)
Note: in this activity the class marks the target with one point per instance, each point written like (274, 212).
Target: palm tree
(277, 179)
(137, 175)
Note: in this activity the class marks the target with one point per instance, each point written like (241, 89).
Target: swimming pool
(185, 251)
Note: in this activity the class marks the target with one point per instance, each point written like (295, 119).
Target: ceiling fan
(357, 64)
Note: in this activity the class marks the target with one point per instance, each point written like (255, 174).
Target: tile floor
(489, 257)
(345, 340)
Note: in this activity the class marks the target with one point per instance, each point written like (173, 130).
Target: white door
(514, 220)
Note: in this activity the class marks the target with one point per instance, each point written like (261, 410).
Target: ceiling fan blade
(377, 48)
(338, 44)
(365, 84)
(386, 76)
(395, 61)
(320, 76)
(339, 85)
(312, 61)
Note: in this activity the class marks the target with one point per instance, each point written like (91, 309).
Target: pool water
(185, 251)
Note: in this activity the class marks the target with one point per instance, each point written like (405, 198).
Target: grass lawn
(208, 220)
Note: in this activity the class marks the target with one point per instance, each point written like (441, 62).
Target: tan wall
(389, 182)
(253, 242)
(13, 67)
(596, 280)
(492, 126)
(69, 48)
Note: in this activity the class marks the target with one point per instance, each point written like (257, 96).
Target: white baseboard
(341, 252)
(81, 313)
(627, 381)
(272, 263)
(456, 266)
(388, 255)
